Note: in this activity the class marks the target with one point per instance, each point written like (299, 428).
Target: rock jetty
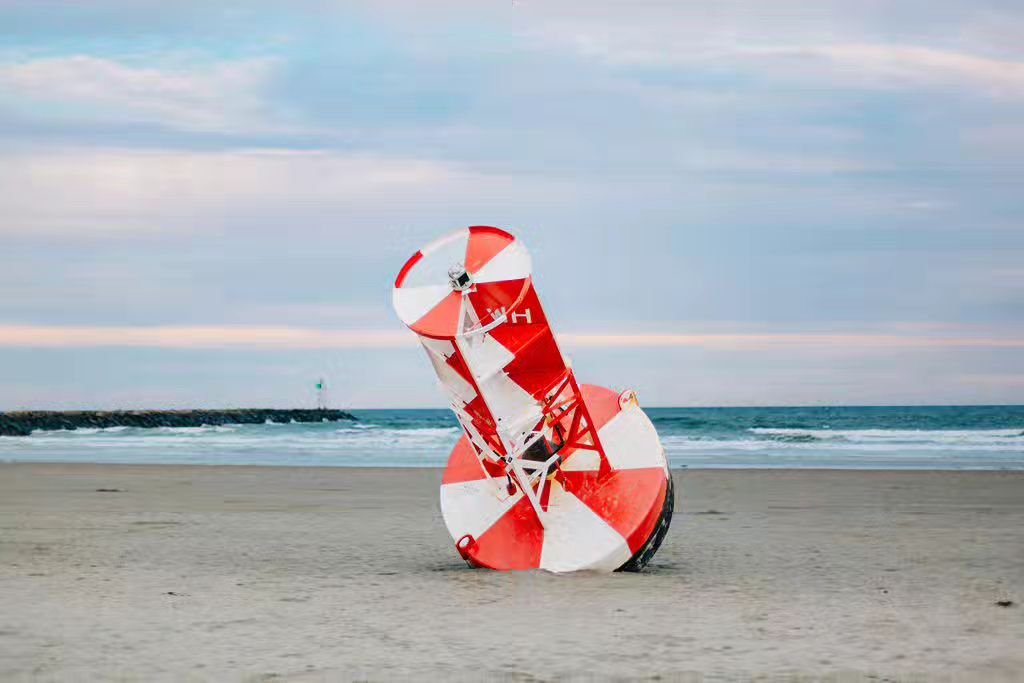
(25, 422)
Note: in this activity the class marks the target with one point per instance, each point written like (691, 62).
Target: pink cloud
(287, 337)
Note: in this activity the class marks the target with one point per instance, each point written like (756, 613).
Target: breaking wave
(1009, 439)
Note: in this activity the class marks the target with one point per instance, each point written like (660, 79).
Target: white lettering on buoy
(525, 315)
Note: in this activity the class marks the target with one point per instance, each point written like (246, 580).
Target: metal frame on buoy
(492, 444)
(528, 424)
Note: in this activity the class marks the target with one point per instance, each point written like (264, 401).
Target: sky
(768, 202)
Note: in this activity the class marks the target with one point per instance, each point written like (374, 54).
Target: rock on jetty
(24, 423)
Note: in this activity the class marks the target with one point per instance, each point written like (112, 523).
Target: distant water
(973, 437)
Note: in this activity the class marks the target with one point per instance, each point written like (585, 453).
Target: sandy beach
(229, 573)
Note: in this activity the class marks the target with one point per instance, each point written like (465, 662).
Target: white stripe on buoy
(412, 303)
(576, 538)
(630, 441)
(441, 347)
(511, 263)
(582, 461)
(451, 380)
(484, 355)
(472, 507)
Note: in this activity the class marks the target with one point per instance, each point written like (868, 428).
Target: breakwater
(24, 423)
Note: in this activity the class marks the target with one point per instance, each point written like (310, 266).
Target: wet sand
(230, 573)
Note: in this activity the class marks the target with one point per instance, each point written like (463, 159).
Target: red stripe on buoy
(413, 260)
(630, 501)
(513, 542)
(485, 242)
(537, 362)
(602, 403)
(456, 363)
(443, 319)
(463, 464)
(494, 296)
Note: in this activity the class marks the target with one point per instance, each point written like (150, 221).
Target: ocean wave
(212, 439)
(945, 436)
(80, 431)
(680, 421)
(794, 438)
(204, 429)
(416, 431)
(877, 441)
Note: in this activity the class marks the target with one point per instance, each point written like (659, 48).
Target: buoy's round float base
(595, 520)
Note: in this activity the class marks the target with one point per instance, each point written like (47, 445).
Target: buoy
(548, 473)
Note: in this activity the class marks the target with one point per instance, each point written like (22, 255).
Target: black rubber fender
(647, 550)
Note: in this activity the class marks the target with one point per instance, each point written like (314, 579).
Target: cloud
(850, 56)
(225, 96)
(100, 191)
(897, 66)
(289, 337)
(1009, 381)
(740, 341)
(198, 337)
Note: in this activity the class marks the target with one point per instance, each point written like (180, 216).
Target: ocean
(946, 437)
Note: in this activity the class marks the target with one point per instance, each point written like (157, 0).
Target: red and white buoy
(549, 474)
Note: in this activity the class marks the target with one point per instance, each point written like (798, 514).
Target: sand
(247, 573)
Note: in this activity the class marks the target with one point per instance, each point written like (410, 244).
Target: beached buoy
(549, 473)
